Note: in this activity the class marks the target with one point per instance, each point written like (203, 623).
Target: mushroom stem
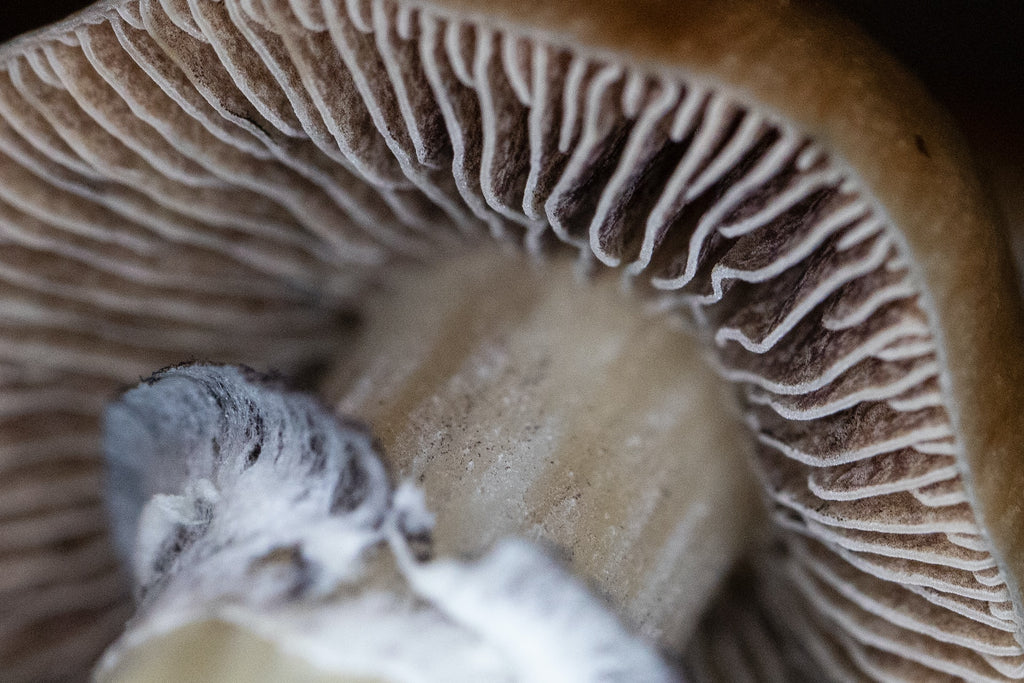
(265, 543)
(527, 400)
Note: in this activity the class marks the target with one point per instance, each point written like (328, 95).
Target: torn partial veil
(238, 502)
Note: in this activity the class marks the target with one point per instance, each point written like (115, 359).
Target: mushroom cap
(220, 179)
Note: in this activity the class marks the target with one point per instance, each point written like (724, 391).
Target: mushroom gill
(223, 179)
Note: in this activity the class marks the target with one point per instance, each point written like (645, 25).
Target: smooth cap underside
(190, 178)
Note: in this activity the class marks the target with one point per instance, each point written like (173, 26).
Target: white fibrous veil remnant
(235, 499)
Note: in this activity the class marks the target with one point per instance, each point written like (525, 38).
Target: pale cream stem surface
(527, 400)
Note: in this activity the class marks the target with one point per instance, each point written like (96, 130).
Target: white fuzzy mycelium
(236, 500)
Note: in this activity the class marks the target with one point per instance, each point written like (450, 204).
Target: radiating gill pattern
(215, 179)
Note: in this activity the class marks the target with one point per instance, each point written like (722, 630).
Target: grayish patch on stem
(216, 460)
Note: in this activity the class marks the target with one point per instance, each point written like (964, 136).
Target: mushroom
(244, 180)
